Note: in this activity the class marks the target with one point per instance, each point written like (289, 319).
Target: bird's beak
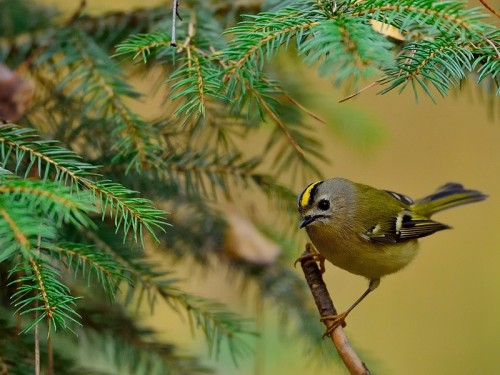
(308, 219)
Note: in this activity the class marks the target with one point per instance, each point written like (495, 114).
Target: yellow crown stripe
(306, 195)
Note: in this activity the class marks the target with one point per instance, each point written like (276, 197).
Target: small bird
(371, 232)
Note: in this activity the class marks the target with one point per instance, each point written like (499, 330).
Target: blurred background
(437, 316)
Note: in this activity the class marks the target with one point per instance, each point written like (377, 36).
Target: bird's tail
(447, 196)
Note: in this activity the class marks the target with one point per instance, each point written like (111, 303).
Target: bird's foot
(312, 257)
(333, 321)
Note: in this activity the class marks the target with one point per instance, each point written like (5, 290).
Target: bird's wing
(403, 227)
(400, 197)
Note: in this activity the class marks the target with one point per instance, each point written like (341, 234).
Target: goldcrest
(372, 232)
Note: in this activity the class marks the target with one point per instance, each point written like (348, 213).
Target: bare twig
(50, 356)
(37, 341)
(490, 8)
(296, 103)
(304, 109)
(491, 43)
(326, 308)
(175, 14)
(37, 326)
(77, 13)
(375, 83)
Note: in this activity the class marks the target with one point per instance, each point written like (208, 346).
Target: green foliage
(21, 149)
(109, 354)
(89, 263)
(84, 163)
(440, 62)
(24, 16)
(39, 290)
(364, 57)
(17, 350)
(340, 36)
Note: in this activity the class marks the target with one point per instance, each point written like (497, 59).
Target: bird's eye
(323, 205)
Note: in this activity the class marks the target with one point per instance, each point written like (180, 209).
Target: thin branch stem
(299, 150)
(491, 43)
(37, 326)
(326, 308)
(298, 105)
(261, 349)
(375, 83)
(175, 5)
(50, 356)
(37, 341)
(490, 8)
(77, 14)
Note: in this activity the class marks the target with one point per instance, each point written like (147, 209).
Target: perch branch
(326, 308)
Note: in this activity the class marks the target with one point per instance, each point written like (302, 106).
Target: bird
(368, 231)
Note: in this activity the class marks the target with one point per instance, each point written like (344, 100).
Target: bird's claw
(332, 322)
(312, 257)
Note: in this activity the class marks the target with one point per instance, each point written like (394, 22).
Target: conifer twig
(326, 308)
(490, 8)
(359, 91)
(37, 342)
(77, 14)
(175, 14)
(50, 356)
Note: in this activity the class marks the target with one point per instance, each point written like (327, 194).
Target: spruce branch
(109, 351)
(194, 83)
(37, 343)
(95, 80)
(441, 62)
(130, 213)
(248, 52)
(22, 230)
(430, 17)
(223, 76)
(89, 263)
(39, 282)
(213, 318)
(218, 324)
(348, 49)
(456, 34)
(142, 45)
(196, 168)
(107, 29)
(50, 199)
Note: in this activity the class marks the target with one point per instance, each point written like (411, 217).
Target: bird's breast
(348, 250)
